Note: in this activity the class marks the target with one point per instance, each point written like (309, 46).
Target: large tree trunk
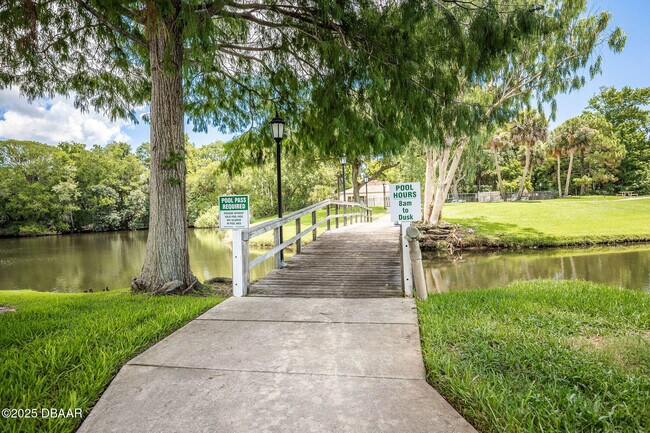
(559, 177)
(446, 173)
(429, 183)
(502, 190)
(568, 174)
(525, 174)
(356, 186)
(167, 258)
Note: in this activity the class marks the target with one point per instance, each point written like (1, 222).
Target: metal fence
(495, 196)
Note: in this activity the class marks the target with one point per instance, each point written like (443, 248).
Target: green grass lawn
(584, 220)
(552, 356)
(61, 350)
(289, 230)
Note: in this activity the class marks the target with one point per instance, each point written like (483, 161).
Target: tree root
(443, 236)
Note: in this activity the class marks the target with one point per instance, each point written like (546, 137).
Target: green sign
(233, 212)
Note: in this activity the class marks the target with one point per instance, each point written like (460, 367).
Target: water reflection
(627, 267)
(73, 263)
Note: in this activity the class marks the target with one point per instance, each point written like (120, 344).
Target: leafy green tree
(556, 59)
(628, 113)
(499, 140)
(30, 171)
(53, 189)
(220, 63)
(67, 192)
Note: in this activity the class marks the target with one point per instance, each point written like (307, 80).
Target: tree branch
(102, 18)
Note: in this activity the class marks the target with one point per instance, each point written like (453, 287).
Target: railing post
(299, 241)
(277, 258)
(345, 213)
(240, 271)
(329, 227)
(314, 233)
(336, 208)
(407, 268)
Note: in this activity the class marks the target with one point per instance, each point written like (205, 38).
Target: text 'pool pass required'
(405, 202)
(234, 212)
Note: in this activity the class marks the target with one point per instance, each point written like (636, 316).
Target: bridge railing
(241, 263)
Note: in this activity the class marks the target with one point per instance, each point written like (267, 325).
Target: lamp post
(365, 179)
(277, 131)
(343, 162)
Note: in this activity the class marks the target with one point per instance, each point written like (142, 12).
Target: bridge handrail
(241, 265)
(261, 228)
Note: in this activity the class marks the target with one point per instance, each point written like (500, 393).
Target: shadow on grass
(505, 234)
(491, 227)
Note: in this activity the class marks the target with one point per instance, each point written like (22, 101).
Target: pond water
(621, 266)
(73, 263)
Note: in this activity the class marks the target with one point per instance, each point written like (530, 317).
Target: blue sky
(56, 119)
(629, 68)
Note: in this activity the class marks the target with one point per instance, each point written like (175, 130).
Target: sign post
(405, 207)
(234, 213)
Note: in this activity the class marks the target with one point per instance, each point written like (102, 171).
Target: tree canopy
(628, 112)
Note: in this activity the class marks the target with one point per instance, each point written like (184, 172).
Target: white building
(378, 193)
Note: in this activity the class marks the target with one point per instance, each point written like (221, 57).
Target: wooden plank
(359, 260)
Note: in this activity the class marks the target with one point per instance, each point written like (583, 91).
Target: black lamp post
(365, 179)
(277, 130)
(343, 162)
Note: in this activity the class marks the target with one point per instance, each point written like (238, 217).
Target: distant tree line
(67, 188)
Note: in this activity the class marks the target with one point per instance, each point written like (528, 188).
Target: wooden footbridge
(354, 257)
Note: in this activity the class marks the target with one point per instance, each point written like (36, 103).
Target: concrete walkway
(282, 365)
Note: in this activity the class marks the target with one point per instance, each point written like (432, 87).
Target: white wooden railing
(241, 263)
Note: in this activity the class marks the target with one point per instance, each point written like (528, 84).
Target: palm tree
(574, 135)
(557, 150)
(528, 129)
(581, 138)
(499, 140)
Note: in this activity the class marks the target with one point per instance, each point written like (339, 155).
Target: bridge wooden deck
(356, 261)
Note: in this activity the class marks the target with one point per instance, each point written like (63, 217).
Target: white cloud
(52, 120)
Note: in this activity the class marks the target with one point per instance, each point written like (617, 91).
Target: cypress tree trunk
(502, 190)
(356, 186)
(167, 258)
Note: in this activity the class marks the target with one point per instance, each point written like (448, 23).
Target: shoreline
(458, 237)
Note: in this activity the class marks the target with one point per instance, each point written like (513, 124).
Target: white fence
(242, 265)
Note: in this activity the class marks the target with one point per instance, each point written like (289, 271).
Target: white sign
(234, 212)
(405, 202)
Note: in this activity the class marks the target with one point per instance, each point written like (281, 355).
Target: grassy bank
(573, 221)
(543, 355)
(61, 350)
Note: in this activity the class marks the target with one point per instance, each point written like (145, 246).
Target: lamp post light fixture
(343, 162)
(277, 131)
(365, 179)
